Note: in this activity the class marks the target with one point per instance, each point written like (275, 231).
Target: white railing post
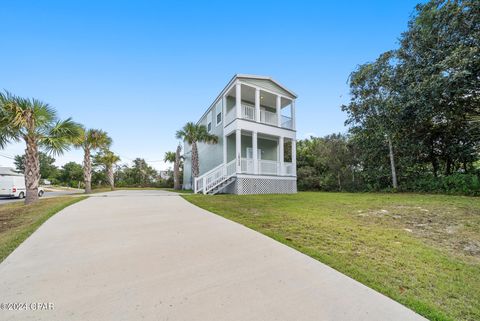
(281, 154)
(238, 149)
(279, 111)
(225, 149)
(257, 104)
(255, 152)
(238, 99)
(293, 115)
(294, 157)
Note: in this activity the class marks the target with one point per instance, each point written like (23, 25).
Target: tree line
(413, 115)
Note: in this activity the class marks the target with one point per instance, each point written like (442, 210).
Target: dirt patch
(451, 228)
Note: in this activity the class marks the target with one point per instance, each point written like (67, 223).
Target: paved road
(6, 200)
(150, 255)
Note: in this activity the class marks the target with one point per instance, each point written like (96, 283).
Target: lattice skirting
(262, 185)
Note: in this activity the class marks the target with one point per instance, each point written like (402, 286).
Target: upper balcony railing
(266, 117)
(287, 122)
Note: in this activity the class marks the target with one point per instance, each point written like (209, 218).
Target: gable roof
(264, 79)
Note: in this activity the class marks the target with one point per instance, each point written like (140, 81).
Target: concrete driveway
(150, 255)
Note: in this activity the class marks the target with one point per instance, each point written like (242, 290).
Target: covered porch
(252, 103)
(255, 153)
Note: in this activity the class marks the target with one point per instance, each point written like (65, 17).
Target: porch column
(279, 111)
(294, 115)
(255, 152)
(224, 149)
(224, 110)
(281, 154)
(238, 99)
(294, 157)
(238, 149)
(257, 104)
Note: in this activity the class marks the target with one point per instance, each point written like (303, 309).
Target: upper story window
(218, 113)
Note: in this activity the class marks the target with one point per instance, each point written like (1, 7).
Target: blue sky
(141, 69)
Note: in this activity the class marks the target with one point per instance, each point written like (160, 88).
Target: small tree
(176, 159)
(37, 124)
(108, 159)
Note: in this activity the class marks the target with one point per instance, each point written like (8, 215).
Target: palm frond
(169, 157)
(60, 137)
(97, 138)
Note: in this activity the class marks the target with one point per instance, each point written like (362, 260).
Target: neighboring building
(167, 174)
(254, 119)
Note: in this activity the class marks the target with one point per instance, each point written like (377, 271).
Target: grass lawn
(19, 221)
(421, 250)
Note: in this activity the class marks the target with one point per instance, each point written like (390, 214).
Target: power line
(6, 156)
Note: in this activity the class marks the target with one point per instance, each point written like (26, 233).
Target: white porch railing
(266, 167)
(287, 122)
(214, 177)
(268, 117)
(287, 169)
(248, 112)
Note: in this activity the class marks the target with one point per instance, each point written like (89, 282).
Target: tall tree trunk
(32, 171)
(195, 165)
(339, 182)
(448, 167)
(87, 170)
(176, 169)
(392, 164)
(111, 178)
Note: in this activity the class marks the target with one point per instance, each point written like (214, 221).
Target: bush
(458, 183)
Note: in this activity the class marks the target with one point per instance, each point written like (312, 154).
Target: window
(218, 112)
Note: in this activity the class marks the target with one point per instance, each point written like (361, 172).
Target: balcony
(266, 117)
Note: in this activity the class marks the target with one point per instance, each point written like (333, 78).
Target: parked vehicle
(12, 184)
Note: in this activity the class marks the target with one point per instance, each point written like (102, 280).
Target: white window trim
(218, 112)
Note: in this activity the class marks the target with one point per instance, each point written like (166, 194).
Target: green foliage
(47, 168)
(424, 99)
(462, 184)
(139, 175)
(326, 163)
(71, 174)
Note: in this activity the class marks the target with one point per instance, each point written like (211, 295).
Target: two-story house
(254, 119)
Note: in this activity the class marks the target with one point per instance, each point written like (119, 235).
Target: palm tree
(193, 134)
(176, 159)
(90, 140)
(169, 157)
(176, 168)
(37, 124)
(107, 158)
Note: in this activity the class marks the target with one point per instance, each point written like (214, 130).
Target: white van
(13, 185)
